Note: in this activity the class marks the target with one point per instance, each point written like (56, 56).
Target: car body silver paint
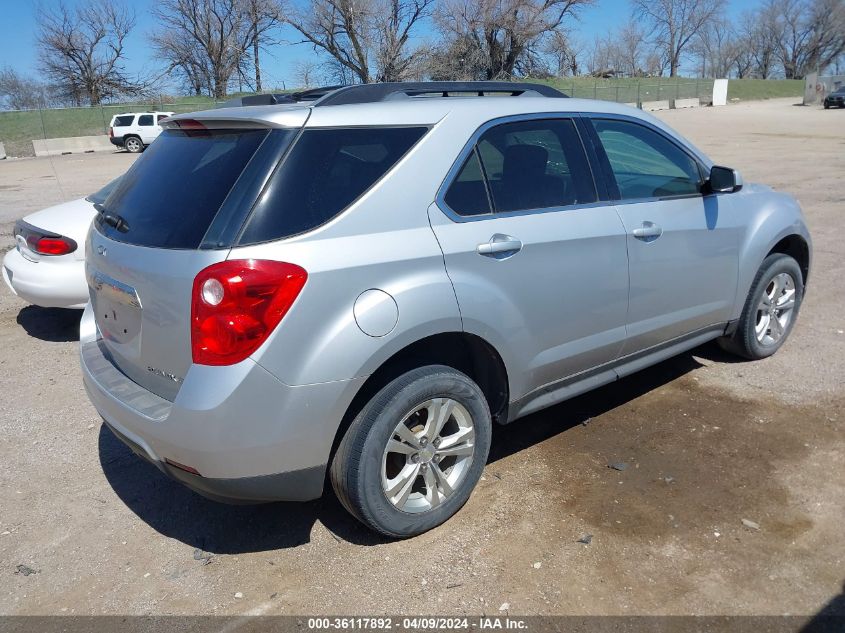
(569, 331)
(686, 278)
(157, 334)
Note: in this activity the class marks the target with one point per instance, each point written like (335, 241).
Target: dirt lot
(709, 442)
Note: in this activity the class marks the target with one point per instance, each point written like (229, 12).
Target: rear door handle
(649, 230)
(500, 245)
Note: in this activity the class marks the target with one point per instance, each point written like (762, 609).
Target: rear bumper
(250, 437)
(296, 485)
(50, 283)
(116, 141)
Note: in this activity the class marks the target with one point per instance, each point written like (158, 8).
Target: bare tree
(504, 32)
(81, 50)
(674, 23)
(457, 59)
(307, 73)
(187, 59)
(566, 50)
(21, 93)
(370, 38)
(209, 40)
(264, 16)
(717, 47)
(808, 34)
(756, 41)
(631, 46)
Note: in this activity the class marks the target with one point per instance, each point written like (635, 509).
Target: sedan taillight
(49, 245)
(236, 304)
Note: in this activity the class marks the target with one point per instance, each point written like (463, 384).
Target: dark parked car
(835, 99)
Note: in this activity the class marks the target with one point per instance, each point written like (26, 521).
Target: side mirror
(724, 180)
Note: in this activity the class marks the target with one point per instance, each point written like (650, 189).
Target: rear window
(99, 197)
(124, 121)
(325, 172)
(171, 194)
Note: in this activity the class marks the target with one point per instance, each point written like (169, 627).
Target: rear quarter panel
(381, 241)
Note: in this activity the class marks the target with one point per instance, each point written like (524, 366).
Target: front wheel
(770, 310)
(414, 453)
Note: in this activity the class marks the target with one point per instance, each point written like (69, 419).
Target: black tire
(744, 341)
(356, 467)
(826, 107)
(133, 144)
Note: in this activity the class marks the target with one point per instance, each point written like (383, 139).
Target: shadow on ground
(831, 617)
(54, 325)
(176, 512)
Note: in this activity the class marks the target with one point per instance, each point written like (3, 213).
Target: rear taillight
(236, 304)
(111, 132)
(47, 245)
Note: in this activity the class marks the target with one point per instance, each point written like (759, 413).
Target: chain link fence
(18, 128)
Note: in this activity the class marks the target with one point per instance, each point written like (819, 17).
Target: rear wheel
(770, 310)
(413, 455)
(133, 145)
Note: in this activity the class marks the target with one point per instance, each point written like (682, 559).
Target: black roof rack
(373, 93)
(279, 98)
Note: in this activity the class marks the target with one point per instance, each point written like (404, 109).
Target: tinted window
(646, 164)
(161, 116)
(98, 197)
(145, 119)
(324, 172)
(467, 195)
(123, 121)
(173, 191)
(536, 165)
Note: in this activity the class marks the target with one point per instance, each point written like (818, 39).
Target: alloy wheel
(428, 455)
(774, 312)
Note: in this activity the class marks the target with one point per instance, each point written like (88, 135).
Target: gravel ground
(731, 503)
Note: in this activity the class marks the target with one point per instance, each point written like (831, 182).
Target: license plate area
(117, 309)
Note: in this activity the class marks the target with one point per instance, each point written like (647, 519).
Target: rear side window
(324, 172)
(124, 121)
(533, 164)
(646, 164)
(145, 119)
(536, 164)
(467, 195)
(173, 191)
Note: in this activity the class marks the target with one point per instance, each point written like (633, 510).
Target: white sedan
(47, 265)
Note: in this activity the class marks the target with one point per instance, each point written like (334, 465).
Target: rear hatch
(174, 213)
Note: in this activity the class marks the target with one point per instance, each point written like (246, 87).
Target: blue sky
(18, 28)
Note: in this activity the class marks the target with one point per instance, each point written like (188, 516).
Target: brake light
(236, 304)
(51, 245)
(111, 132)
(188, 124)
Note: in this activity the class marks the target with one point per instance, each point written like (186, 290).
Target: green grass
(18, 129)
(757, 89)
(663, 88)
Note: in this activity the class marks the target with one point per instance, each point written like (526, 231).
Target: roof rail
(373, 93)
(268, 98)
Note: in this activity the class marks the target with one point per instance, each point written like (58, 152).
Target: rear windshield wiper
(112, 220)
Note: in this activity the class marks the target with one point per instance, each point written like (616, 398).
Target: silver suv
(354, 284)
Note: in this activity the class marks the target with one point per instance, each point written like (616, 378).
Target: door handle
(648, 231)
(500, 245)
